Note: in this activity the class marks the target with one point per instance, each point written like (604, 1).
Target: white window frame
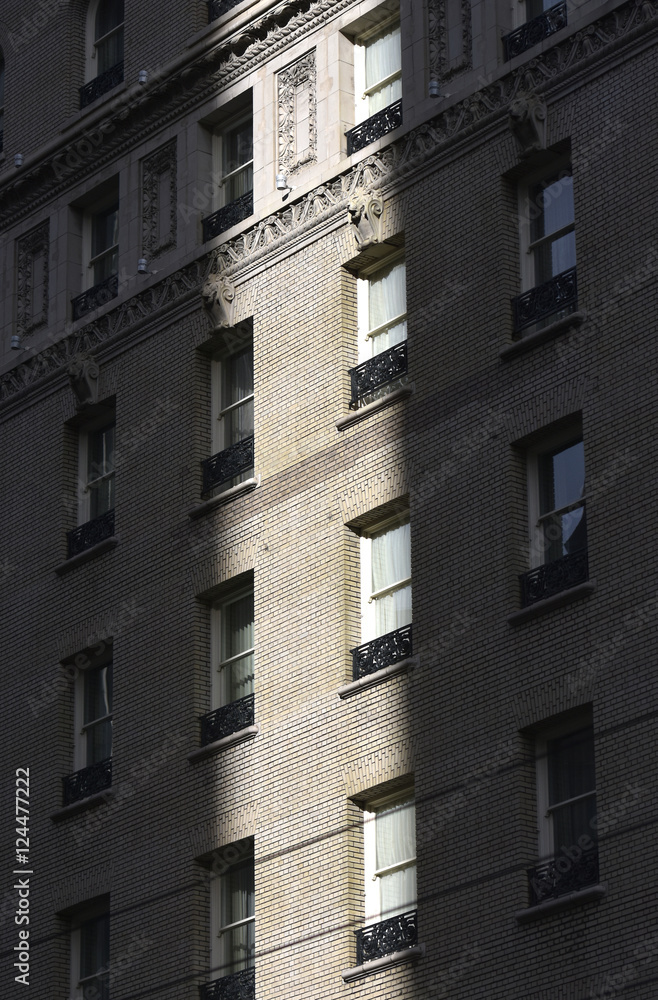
(87, 243)
(365, 332)
(373, 909)
(84, 483)
(219, 685)
(220, 958)
(368, 597)
(361, 93)
(84, 916)
(536, 541)
(91, 63)
(526, 210)
(220, 178)
(545, 809)
(81, 753)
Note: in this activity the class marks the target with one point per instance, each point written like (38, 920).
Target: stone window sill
(203, 508)
(379, 404)
(92, 800)
(90, 553)
(378, 677)
(226, 741)
(542, 336)
(379, 964)
(572, 899)
(556, 601)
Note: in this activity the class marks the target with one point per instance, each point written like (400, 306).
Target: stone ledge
(571, 899)
(556, 601)
(91, 553)
(379, 404)
(92, 800)
(226, 741)
(235, 491)
(541, 336)
(379, 964)
(378, 677)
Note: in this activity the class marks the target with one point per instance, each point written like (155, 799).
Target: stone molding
(440, 68)
(29, 248)
(83, 373)
(218, 299)
(527, 118)
(154, 166)
(365, 210)
(301, 73)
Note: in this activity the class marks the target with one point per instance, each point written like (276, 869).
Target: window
(382, 336)
(233, 924)
(232, 414)
(232, 653)
(90, 953)
(100, 251)
(558, 528)
(540, 18)
(95, 483)
(104, 235)
(2, 102)
(232, 172)
(104, 48)
(566, 802)
(377, 78)
(93, 725)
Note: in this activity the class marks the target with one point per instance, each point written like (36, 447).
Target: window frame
(367, 595)
(218, 625)
(220, 960)
(83, 917)
(365, 342)
(91, 62)
(551, 173)
(219, 199)
(580, 722)
(80, 727)
(552, 442)
(99, 423)
(220, 429)
(372, 875)
(362, 93)
(90, 259)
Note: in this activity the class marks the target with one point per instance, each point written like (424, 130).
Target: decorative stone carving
(365, 210)
(444, 64)
(155, 236)
(527, 118)
(297, 114)
(32, 253)
(83, 374)
(218, 297)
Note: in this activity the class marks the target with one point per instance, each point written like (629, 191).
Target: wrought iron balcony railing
(227, 464)
(88, 781)
(554, 577)
(221, 220)
(90, 533)
(374, 127)
(227, 720)
(535, 31)
(218, 7)
(238, 986)
(563, 875)
(377, 371)
(91, 91)
(395, 934)
(101, 293)
(381, 652)
(558, 295)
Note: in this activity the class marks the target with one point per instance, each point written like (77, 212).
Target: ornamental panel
(297, 114)
(446, 59)
(32, 253)
(159, 193)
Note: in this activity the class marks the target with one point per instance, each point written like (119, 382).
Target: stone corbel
(527, 118)
(83, 374)
(218, 297)
(365, 212)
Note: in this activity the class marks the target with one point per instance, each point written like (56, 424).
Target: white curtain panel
(238, 904)
(388, 298)
(240, 637)
(391, 562)
(396, 842)
(382, 60)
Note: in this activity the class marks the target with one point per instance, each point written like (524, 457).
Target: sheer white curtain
(396, 843)
(239, 642)
(387, 299)
(237, 907)
(383, 60)
(391, 564)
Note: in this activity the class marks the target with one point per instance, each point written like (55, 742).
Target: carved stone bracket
(83, 374)
(443, 63)
(218, 297)
(365, 212)
(527, 118)
(32, 259)
(297, 126)
(160, 164)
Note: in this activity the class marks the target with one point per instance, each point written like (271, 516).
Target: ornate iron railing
(90, 533)
(563, 875)
(238, 986)
(554, 577)
(218, 7)
(381, 652)
(394, 934)
(91, 91)
(374, 127)
(557, 295)
(88, 781)
(221, 220)
(533, 32)
(228, 463)
(101, 293)
(227, 720)
(383, 368)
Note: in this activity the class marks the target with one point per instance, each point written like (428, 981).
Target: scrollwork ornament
(527, 118)
(83, 374)
(218, 297)
(365, 212)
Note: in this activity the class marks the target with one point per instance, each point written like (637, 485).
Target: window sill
(92, 800)
(379, 964)
(378, 677)
(226, 741)
(541, 336)
(91, 553)
(572, 899)
(556, 601)
(353, 418)
(203, 508)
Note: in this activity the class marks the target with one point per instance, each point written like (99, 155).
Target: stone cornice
(382, 170)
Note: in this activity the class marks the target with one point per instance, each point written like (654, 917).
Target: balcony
(554, 577)
(563, 875)
(91, 91)
(535, 31)
(227, 720)
(89, 781)
(396, 934)
(101, 293)
(381, 652)
(374, 128)
(377, 371)
(228, 216)
(239, 986)
(555, 298)
(90, 533)
(218, 7)
(228, 464)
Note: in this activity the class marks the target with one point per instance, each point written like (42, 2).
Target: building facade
(329, 598)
